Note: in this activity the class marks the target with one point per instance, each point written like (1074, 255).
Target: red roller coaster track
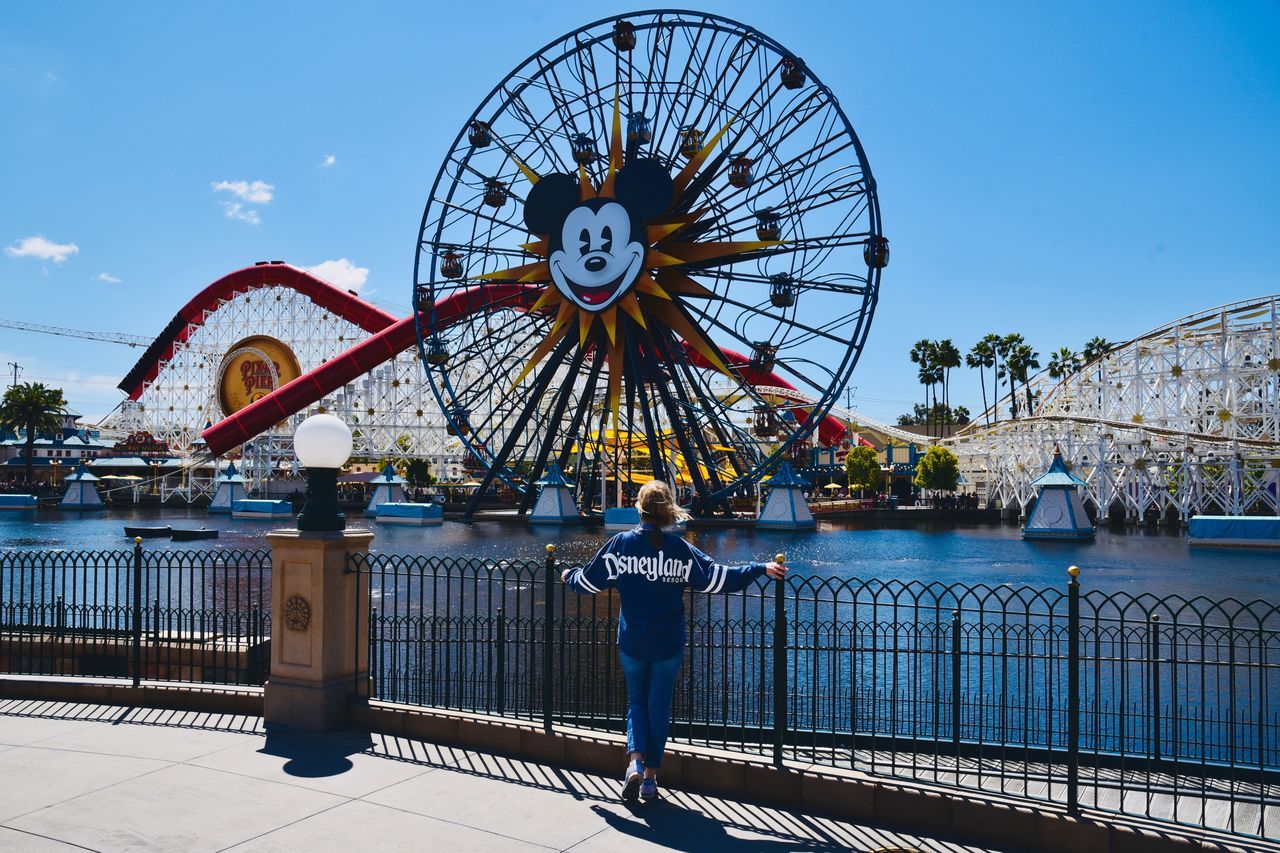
(340, 302)
(389, 337)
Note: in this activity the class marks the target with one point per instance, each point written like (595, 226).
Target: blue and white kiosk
(81, 492)
(555, 500)
(786, 508)
(1058, 512)
(388, 488)
(229, 487)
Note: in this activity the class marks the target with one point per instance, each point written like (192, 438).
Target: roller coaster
(1180, 421)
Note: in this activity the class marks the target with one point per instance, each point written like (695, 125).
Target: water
(1160, 562)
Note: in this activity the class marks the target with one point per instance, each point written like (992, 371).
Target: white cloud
(341, 272)
(236, 210)
(250, 192)
(108, 278)
(45, 250)
(328, 161)
(255, 192)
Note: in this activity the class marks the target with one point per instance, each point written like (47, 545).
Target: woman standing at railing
(651, 568)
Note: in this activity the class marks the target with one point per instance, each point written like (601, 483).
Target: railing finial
(551, 548)
(1074, 571)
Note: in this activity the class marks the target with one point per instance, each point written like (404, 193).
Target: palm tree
(947, 356)
(981, 357)
(33, 409)
(1026, 360)
(1096, 348)
(1006, 349)
(1063, 363)
(922, 355)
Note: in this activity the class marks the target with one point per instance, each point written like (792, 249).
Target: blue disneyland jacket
(651, 584)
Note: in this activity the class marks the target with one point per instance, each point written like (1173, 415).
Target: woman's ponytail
(657, 506)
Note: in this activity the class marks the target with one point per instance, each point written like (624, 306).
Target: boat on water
(148, 532)
(188, 535)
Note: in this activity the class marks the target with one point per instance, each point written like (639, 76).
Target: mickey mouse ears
(549, 202)
(642, 186)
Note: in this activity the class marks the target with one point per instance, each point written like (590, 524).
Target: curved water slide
(393, 337)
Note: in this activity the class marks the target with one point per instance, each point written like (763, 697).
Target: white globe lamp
(322, 444)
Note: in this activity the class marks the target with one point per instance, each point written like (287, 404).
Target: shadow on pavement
(315, 755)
(673, 826)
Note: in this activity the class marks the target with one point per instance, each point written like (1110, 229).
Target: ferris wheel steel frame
(688, 406)
(1184, 419)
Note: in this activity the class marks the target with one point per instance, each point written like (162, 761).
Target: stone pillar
(319, 630)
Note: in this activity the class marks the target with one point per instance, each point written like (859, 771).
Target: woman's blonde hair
(658, 505)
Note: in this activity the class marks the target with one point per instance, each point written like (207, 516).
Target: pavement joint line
(166, 766)
(580, 842)
(453, 823)
(49, 838)
(317, 813)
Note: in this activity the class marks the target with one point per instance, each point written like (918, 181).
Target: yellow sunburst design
(658, 289)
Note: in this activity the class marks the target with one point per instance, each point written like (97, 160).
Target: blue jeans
(649, 688)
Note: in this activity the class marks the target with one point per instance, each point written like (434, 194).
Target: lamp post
(323, 606)
(322, 444)
(57, 463)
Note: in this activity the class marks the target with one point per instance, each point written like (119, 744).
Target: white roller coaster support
(1183, 420)
(392, 413)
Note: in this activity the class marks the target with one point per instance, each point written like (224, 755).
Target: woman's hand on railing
(777, 571)
(564, 576)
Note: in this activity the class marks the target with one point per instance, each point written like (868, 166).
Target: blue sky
(1059, 170)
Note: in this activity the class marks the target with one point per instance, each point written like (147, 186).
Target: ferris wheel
(645, 234)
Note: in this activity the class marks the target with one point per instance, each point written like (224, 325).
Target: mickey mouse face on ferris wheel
(597, 246)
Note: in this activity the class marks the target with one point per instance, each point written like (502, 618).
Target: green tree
(938, 413)
(1006, 348)
(946, 357)
(938, 469)
(861, 468)
(923, 356)
(1063, 363)
(35, 409)
(1026, 360)
(981, 358)
(418, 473)
(1095, 349)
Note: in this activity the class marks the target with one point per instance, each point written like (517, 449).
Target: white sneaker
(631, 780)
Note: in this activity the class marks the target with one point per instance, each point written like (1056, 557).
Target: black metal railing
(1163, 707)
(160, 615)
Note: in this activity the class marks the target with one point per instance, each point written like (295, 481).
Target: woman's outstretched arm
(709, 576)
(594, 576)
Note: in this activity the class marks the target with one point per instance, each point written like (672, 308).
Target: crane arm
(105, 337)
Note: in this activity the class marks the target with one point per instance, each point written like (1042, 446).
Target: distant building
(72, 444)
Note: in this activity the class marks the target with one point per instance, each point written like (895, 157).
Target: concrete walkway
(109, 778)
